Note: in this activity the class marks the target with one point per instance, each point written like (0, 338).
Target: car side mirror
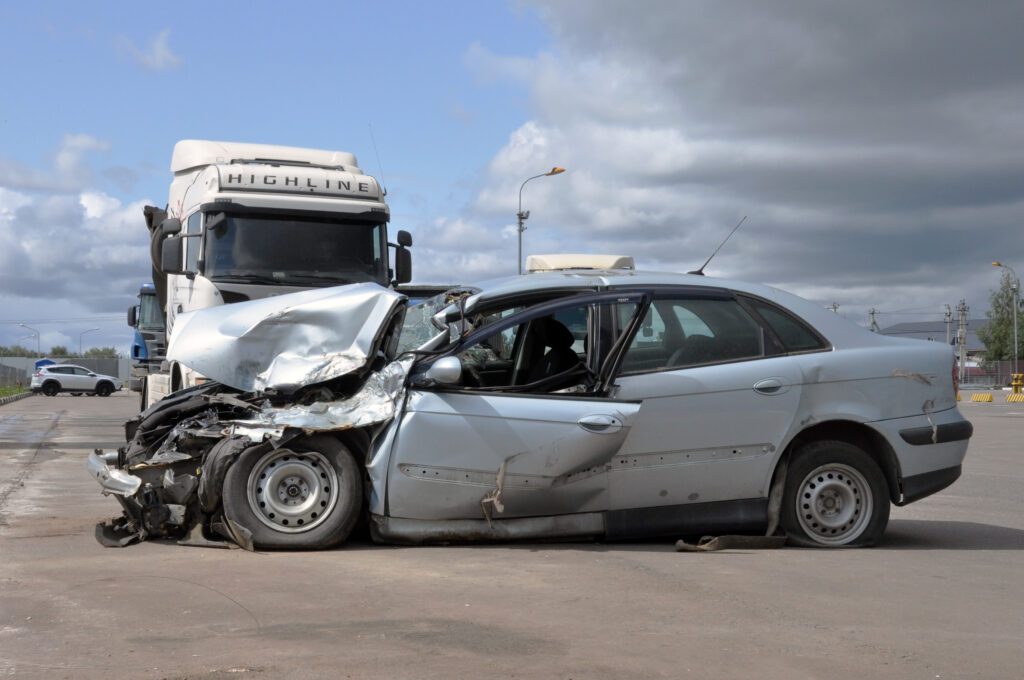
(170, 255)
(445, 371)
(92, 375)
(133, 315)
(404, 239)
(170, 226)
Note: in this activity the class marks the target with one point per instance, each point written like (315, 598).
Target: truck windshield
(150, 316)
(295, 250)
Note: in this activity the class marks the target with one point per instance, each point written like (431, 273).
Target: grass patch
(9, 391)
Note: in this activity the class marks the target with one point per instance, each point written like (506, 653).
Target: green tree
(101, 353)
(997, 334)
(59, 351)
(16, 351)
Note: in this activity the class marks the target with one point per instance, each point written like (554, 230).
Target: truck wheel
(51, 388)
(305, 496)
(836, 496)
(104, 389)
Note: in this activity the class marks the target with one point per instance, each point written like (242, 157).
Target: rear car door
(714, 412)
(538, 442)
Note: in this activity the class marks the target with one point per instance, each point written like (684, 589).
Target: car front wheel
(305, 496)
(104, 389)
(836, 496)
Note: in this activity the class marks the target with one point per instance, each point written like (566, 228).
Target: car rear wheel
(104, 389)
(51, 388)
(305, 496)
(836, 496)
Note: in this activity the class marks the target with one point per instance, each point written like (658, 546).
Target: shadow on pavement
(920, 534)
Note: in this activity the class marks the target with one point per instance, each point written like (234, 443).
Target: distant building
(936, 332)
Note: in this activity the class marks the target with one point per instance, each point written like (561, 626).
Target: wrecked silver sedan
(558, 405)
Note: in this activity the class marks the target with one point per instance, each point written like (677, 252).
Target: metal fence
(990, 374)
(10, 376)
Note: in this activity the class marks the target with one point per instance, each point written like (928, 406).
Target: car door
(84, 379)
(469, 452)
(713, 415)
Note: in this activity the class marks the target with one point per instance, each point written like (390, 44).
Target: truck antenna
(380, 166)
(700, 272)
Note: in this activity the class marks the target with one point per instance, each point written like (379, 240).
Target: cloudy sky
(877, 148)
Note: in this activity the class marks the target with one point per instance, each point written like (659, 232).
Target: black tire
(319, 506)
(76, 394)
(51, 388)
(104, 389)
(836, 497)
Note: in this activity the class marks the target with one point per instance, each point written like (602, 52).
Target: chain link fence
(989, 374)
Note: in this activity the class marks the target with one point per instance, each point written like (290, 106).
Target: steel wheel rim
(292, 492)
(834, 504)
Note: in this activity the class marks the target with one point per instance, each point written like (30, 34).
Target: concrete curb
(15, 397)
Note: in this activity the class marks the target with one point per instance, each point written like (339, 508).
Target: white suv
(51, 380)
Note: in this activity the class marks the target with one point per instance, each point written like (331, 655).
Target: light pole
(523, 216)
(38, 353)
(80, 339)
(1016, 306)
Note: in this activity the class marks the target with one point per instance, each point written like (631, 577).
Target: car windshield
(418, 327)
(294, 250)
(150, 316)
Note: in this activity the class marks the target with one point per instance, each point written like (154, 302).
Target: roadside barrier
(1017, 398)
(982, 397)
(14, 397)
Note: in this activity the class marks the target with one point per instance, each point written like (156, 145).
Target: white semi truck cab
(247, 221)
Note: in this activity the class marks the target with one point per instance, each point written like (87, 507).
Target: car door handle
(600, 423)
(768, 386)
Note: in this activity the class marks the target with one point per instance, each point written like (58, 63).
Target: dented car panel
(588, 405)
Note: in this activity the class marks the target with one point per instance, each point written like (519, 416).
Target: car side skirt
(690, 518)
(588, 525)
(671, 520)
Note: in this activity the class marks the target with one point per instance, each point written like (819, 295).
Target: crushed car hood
(288, 341)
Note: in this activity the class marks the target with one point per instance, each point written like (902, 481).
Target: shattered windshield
(418, 328)
(296, 250)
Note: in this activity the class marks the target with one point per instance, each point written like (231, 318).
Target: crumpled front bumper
(113, 481)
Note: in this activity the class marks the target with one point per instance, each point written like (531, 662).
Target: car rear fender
(858, 434)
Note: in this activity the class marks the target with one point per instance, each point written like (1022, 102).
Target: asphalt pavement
(941, 597)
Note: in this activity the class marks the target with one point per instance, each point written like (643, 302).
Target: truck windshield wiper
(250, 278)
(333, 278)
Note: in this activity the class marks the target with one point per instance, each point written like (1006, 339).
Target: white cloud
(157, 55)
(69, 169)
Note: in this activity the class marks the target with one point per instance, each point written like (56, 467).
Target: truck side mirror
(404, 239)
(170, 255)
(403, 265)
(170, 226)
(133, 315)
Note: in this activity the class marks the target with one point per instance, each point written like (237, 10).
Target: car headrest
(553, 333)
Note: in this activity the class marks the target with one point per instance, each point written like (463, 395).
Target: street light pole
(80, 339)
(1016, 306)
(521, 216)
(38, 353)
